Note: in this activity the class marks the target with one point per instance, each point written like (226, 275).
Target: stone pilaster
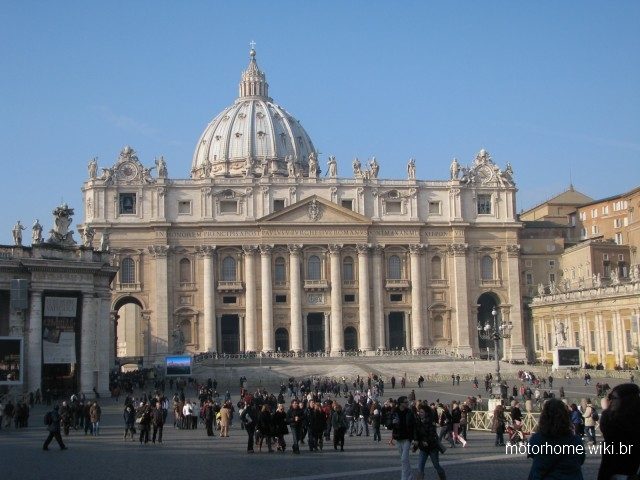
(517, 350)
(242, 328)
(364, 301)
(251, 338)
(268, 344)
(327, 330)
(462, 342)
(210, 343)
(378, 298)
(417, 323)
(296, 298)
(160, 342)
(88, 345)
(34, 343)
(337, 334)
(103, 328)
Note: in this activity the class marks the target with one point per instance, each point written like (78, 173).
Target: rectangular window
(583, 232)
(278, 204)
(609, 341)
(619, 238)
(592, 335)
(617, 222)
(529, 278)
(184, 207)
(435, 208)
(393, 208)
(605, 209)
(552, 277)
(228, 206)
(349, 298)
(229, 299)
(552, 264)
(594, 229)
(594, 213)
(583, 216)
(605, 257)
(127, 203)
(549, 341)
(484, 204)
(395, 297)
(347, 203)
(281, 299)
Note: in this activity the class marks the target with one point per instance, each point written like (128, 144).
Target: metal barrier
(481, 420)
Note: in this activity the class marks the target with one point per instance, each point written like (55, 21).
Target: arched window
(185, 270)
(486, 268)
(436, 268)
(280, 271)
(347, 269)
(229, 269)
(395, 267)
(438, 326)
(128, 271)
(313, 268)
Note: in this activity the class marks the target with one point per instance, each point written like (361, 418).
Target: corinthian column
(251, 339)
(459, 252)
(210, 329)
(161, 311)
(337, 335)
(416, 296)
(296, 298)
(364, 302)
(267, 299)
(378, 296)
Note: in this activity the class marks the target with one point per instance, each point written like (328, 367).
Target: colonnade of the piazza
(592, 327)
(256, 317)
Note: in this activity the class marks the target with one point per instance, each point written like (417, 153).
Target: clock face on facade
(128, 171)
(485, 173)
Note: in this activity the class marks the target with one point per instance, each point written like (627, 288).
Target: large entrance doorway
(282, 340)
(315, 332)
(397, 334)
(350, 339)
(486, 303)
(230, 333)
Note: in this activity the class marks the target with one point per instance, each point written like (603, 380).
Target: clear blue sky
(549, 86)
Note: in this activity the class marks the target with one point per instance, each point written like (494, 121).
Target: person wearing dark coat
(265, 427)
(280, 429)
(620, 425)
(53, 426)
(249, 419)
(426, 441)
(129, 417)
(295, 417)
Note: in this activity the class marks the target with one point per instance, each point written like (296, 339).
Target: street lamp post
(495, 330)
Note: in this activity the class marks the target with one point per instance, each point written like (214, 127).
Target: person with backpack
(403, 424)
(52, 421)
(590, 416)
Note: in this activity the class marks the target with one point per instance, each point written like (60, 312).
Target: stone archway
(130, 329)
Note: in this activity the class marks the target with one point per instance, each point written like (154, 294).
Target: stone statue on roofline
(60, 234)
(36, 233)
(332, 167)
(454, 169)
(411, 169)
(17, 233)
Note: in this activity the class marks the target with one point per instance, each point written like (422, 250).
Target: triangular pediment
(315, 211)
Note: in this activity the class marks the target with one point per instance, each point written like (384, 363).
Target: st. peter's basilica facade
(260, 251)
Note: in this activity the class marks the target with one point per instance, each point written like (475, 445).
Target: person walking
(295, 417)
(249, 419)
(498, 425)
(403, 422)
(590, 417)
(129, 417)
(225, 419)
(556, 451)
(339, 424)
(157, 422)
(95, 413)
(143, 418)
(426, 441)
(52, 420)
(280, 429)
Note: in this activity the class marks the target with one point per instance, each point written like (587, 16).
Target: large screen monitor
(11, 361)
(566, 357)
(178, 366)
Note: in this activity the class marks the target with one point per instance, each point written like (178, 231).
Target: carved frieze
(159, 251)
(458, 249)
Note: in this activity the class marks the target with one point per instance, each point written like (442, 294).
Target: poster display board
(58, 330)
(11, 361)
(566, 357)
(178, 366)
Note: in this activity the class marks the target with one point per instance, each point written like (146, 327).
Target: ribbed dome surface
(252, 137)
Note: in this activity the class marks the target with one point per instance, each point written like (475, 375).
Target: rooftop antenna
(570, 180)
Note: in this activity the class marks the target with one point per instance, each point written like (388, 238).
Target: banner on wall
(59, 330)
(11, 360)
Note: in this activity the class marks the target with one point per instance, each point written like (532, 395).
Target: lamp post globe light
(496, 330)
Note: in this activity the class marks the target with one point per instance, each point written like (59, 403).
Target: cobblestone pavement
(191, 453)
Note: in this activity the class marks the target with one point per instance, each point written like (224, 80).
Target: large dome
(252, 137)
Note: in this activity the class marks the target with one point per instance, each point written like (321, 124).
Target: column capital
(417, 248)
(378, 249)
(159, 251)
(266, 249)
(363, 248)
(513, 250)
(294, 249)
(249, 249)
(334, 249)
(458, 249)
(206, 250)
